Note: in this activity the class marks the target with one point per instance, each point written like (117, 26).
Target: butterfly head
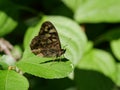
(61, 52)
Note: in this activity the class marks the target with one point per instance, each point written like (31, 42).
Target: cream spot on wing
(40, 54)
(47, 35)
(49, 41)
(36, 51)
(46, 29)
(54, 39)
(52, 31)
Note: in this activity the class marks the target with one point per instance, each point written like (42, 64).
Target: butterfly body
(47, 43)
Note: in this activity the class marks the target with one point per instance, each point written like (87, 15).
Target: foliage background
(89, 28)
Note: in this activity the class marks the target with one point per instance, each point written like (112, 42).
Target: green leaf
(88, 47)
(46, 68)
(98, 11)
(100, 61)
(11, 80)
(8, 60)
(115, 46)
(16, 52)
(73, 4)
(7, 24)
(118, 74)
(3, 65)
(70, 33)
(68, 36)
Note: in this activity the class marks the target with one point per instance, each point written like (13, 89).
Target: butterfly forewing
(47, 43)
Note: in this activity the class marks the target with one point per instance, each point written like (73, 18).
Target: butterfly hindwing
(47, 43)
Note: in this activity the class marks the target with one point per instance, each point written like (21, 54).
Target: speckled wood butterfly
(47, 43)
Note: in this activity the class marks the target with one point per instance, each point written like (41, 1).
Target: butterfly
(47, 42)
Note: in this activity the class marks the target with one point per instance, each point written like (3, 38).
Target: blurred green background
(89, 29)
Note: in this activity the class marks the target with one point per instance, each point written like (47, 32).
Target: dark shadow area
(94, 30)
(56, 60)
(96, 33)
(25, 9)
(47, 7)
(84, 80)
(92, 80)
(22, 11)
(1, 68)
(37, 83)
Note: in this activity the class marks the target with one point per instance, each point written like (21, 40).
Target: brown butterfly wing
(47, 42)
